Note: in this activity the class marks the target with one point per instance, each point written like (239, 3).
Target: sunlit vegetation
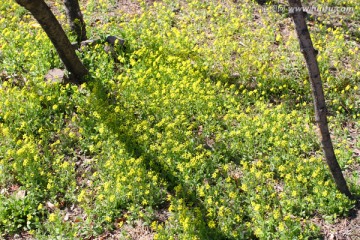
(205, 114)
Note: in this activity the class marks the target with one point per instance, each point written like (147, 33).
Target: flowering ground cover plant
(201, 128)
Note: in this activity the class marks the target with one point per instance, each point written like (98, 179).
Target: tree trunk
(307, 48)
(75, 19)
(53, 29)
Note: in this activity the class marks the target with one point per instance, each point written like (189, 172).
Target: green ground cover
(201, 129)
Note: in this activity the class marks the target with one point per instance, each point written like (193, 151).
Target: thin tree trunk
(75, 19)
(53, 29)
(307, 48)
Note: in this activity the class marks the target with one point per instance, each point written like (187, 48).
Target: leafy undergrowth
(204, 115)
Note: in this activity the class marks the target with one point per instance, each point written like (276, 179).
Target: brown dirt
(343, 228)
(136, 231)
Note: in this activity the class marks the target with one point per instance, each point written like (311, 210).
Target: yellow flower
(281, 227)
(258, 232)
(325, 193)
(232, 195)
(52, 217)
(212, 224)
(257, 207)
(276, 214)
(65, 165)
(40, 207)
(101, 130)
(244, 187)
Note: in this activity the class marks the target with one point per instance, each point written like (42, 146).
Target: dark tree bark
(53, 29)
(307, 48)
(261, 2)
(75, 19)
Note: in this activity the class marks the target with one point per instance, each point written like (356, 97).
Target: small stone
(55, 75)
(66, 217)
(50, 205)
(3, 191)
(20, 194)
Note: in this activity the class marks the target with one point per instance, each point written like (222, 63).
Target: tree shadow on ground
(136, 149)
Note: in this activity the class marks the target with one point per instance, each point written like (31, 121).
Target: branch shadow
(136, 149)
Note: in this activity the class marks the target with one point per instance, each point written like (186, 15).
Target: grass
(206, 115)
